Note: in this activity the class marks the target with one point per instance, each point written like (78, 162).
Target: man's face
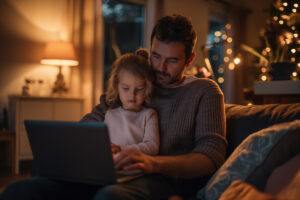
(168, 62)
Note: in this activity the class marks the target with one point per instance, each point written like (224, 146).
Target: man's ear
(191, 58)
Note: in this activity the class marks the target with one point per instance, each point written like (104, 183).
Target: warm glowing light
(59, 53)
(295, 35)
(249, 104)
(264, 52)
(224, 37)
(231, 66)
(268, 49)
(281, 22)
(237, 61)
(293, 59)
(229, 51)
(293, 28)
(298, 65)
(229, 40)
(296, 5)
(263, 70)
(281, 8)
(285, 4)
(263, 78)
(294, 74)
(221, 70)
(294, 10)
(293, 50)
(275, 18)
(218, 33)
(221, 80)
(226, 59)
(287, 17)
(228, 26)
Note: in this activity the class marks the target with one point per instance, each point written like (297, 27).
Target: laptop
(74, 151)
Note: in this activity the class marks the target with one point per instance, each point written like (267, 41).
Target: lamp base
(60, 84)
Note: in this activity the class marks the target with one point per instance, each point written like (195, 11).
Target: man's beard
(172, 80)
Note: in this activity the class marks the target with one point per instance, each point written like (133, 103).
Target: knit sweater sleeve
(98, 112)
(210, 130)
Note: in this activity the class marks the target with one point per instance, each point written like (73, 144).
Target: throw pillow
(250, 156)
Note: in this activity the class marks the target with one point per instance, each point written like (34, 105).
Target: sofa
(263, 150)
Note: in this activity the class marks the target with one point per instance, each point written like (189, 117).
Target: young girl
(130, 124)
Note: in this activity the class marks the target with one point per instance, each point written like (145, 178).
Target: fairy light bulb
(218, 33)
(229, 51)
(263, 78)
(293, 50)
(231, 66)
(221, 80)
(285, 4)
(226, 59)
(229, 40)
(221, 70)
(237, 61)
(263, 70)
(295, 5)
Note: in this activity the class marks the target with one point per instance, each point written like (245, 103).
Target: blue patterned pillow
(250, 156)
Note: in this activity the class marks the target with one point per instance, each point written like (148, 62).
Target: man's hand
(115, 148)
(185, 166)
(134, 160)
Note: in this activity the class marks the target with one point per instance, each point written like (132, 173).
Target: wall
(25, 27)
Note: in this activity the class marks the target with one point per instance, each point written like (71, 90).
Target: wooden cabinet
(39, 108)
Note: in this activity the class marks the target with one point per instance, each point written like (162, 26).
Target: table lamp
(59, 53)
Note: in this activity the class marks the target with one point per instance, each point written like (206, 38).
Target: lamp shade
(59, 53)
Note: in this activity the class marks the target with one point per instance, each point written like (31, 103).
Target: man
(192, 128)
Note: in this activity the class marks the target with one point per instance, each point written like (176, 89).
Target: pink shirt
(134, 130)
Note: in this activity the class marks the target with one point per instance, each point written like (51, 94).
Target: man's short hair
(176, 28)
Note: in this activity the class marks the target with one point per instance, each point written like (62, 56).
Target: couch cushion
(244, 120)
(253, 157)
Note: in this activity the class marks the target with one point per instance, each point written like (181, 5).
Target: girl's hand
(115, 148)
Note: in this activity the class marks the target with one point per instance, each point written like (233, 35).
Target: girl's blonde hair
(138, 65)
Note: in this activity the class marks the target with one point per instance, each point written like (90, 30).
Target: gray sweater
(191, 119)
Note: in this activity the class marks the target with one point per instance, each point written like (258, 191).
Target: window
(216, 51)
(124, 24)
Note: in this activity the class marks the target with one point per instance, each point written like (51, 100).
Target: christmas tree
(280, 41)
(281, 37)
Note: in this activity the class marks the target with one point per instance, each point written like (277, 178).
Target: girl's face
(131, 89)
